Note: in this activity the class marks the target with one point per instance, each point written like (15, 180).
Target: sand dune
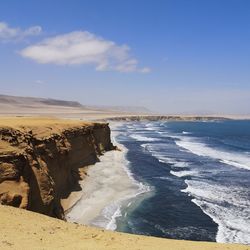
(21, 229)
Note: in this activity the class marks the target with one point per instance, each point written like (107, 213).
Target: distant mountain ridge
(34, 102)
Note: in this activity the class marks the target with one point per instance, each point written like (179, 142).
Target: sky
(171, 56)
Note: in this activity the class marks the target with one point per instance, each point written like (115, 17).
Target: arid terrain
(30, 106)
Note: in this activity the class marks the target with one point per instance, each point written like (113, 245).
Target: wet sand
(106, 187)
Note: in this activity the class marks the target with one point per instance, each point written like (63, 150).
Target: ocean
(195, 178)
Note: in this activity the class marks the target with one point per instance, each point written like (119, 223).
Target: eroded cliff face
(40, 165)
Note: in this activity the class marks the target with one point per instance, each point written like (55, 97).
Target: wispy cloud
(39, 82)
(8, 33)
(82, 47)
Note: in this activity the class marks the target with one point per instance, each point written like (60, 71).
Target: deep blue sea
(199, 176)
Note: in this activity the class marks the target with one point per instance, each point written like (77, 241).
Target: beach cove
(109, 189)
(108, 186)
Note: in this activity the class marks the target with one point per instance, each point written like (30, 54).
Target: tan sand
(38, 122)
(21, 229)
(40, 126)
(107, 184)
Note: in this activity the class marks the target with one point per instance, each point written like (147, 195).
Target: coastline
(50, 233)
(54, 233)
(108, 187)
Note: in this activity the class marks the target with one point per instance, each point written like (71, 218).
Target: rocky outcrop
(39, 167)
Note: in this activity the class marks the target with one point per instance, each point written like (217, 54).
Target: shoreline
(47, 232)
(75, 196)
(106, 189)
(51, 233)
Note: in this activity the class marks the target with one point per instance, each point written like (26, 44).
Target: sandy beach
(107, 186)
(74, 196)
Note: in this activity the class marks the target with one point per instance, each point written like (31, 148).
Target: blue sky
(179, 56)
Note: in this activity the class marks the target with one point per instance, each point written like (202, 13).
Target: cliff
(41, 160)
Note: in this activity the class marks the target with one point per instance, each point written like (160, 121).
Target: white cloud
(145, 70)
(82, 47)
(39, 82)
(8, 33)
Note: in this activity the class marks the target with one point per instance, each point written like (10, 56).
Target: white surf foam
(231, 229)
(107, 187)
(143, 138)
(108, 216)
(151, 129)
(151, 126)
(145, 145)
(130, 127)
(238, 160)
(181, 164)
(186, 133)
(163, 178)
(228, 207)
(184, 173)
(161, 157)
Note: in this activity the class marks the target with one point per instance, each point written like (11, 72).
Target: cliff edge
(41, 160)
